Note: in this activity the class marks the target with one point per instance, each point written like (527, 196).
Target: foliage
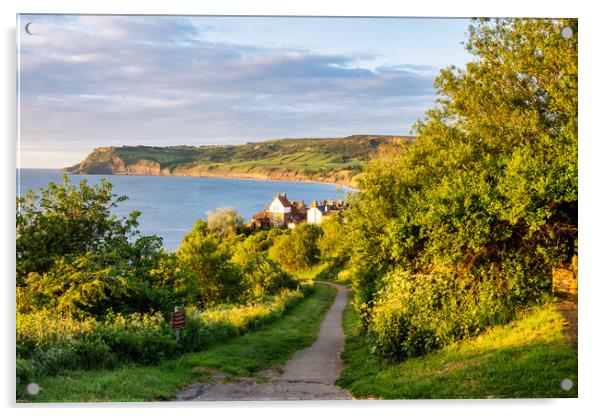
(267, 347)
(75, 257)
(64, 219)
(415, 314)
(49, 344)
(527, 358)
(333, 244)
(201, 254)
(263, 276)
(225, 221)
(298, 249)
(486, 196)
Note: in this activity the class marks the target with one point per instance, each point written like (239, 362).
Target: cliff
(335, 160)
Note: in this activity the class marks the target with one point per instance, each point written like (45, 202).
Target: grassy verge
(527, 358)
(272, 345)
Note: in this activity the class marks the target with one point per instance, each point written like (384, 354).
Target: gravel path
(309, 375)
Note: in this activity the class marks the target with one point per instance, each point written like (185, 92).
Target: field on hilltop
(335, 160)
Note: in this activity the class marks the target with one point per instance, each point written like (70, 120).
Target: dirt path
(569, 309)
(309, 375)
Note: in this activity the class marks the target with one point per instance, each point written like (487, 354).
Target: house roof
(260, 215)
(283, 200)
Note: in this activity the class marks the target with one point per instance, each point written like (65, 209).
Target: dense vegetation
(526, 358)
(271, 345)
(92, 292)
(450, 235)
(48, 344)
(462, 228)
(331, 160)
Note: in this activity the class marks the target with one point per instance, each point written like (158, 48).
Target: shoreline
(345, 187)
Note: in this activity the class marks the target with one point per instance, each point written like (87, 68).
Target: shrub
(217, 279)
(486, 195)
(75, 257)
(64, 219)
(225, 221)
(298, 249)
(262, 275)
(48, 344)
(141, 338)
(333, 244)
(414, 314)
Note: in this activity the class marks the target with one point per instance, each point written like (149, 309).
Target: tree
(298, 249)
(226, 221)
(262, 275)
(333, 244)
(74, 256)
(64, 219)
(217, 279)
(488, 190)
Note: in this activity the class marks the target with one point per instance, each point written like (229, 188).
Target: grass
(271, 346)
(527, 358)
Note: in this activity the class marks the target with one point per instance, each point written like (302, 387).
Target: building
(316, 213)
(260, 220)
(281, 212)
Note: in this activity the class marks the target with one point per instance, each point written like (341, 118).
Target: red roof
(285, 202)
(260, 215)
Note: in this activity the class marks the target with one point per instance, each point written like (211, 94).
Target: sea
(170, 205)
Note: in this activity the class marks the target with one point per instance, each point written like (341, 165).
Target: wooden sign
(178, 320)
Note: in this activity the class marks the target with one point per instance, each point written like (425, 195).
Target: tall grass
(48, 344)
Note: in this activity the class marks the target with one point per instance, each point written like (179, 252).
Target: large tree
(202, 255)
(65, 219)
(489, 188)
(75, 256)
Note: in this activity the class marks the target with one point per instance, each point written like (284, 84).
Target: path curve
(309, 375)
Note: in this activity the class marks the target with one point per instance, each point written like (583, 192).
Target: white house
(280, 210)
(280, 205)
(314, 214)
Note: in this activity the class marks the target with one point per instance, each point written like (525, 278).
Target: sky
(88, 81)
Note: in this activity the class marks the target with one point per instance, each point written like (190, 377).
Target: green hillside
(326, 160)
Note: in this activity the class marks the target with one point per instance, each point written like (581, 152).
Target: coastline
(344, 186)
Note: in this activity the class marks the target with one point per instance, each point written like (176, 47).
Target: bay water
(170, 205)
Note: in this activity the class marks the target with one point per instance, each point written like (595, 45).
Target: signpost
(178, 321)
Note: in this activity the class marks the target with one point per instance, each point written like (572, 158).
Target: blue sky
(89, 81)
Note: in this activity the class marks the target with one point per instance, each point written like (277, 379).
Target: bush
(486, 195)
(75, 257)
(48, 344)
(225, 221)
(262, 275)
(64, 219)
(139, 338)
(333, 244)
(414, 314)
(208, 262)
(299, 249)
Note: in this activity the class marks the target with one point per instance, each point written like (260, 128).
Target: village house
(284, 213)
(316, 213)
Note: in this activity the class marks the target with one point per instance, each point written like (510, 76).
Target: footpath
(309, 375)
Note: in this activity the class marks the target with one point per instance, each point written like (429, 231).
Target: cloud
(88, 81)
